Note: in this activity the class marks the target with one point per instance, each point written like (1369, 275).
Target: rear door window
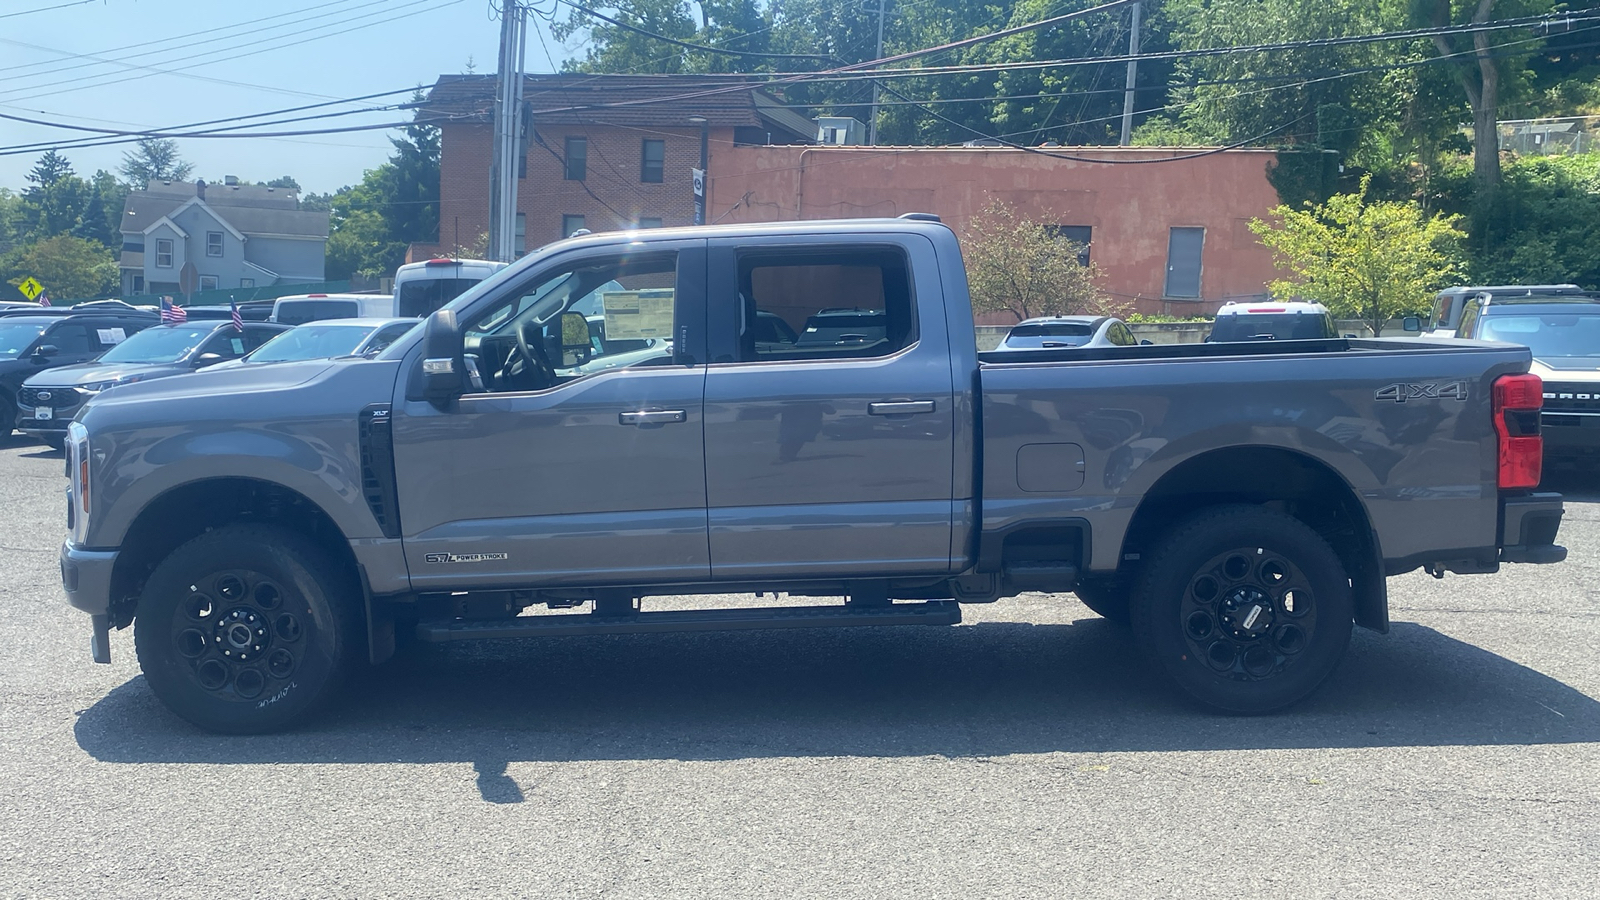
(824, 303)
(299, 312)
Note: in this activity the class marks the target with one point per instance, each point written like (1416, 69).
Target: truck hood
(209, 383)
(1580, 368)
(95, 373)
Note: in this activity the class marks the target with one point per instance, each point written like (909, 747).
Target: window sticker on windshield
(109, 336)
(637, 315)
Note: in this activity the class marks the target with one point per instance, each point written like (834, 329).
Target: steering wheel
(533, 357)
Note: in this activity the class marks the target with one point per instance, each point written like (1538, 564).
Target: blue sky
(254, 57)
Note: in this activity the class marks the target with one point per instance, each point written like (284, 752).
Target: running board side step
(935, 612)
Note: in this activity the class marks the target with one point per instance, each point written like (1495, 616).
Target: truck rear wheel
(1246, 609)
(246, 629)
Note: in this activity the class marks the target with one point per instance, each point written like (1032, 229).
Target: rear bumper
(1528, 528)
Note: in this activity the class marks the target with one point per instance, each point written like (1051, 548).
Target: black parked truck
(1238, 505)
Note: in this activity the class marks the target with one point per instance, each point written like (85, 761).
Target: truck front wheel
(246, 628)
(1246, 609)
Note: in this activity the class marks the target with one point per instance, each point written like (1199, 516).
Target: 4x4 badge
(1400, 393)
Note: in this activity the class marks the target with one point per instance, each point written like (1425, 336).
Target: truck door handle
(899, 407)
(653, 417)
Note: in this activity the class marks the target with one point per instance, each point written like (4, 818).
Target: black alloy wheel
(1246, 609)
(246, 628)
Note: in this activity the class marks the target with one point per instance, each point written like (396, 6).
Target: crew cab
(1239, 506)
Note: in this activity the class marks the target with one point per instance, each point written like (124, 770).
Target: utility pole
(872, 127)
(507, 133)
(1133, 75)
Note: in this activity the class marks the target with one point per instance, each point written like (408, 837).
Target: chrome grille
(1560, 397)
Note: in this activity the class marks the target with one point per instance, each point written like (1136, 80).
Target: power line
(382, 16)
(41, 9)
(705, 48)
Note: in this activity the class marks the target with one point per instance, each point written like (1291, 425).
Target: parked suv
(1449, 304)
(1293, 321)
(1563, 331)
(31, 344)
(49, 400)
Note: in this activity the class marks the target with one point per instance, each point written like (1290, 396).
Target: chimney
(200, 188)
(230, 180)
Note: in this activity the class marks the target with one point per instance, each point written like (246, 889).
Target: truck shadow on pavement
(981, 690)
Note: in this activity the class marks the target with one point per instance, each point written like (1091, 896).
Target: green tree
(1364, 259)
(55, 199)
(1483, 73)
(153, 159)
(70, 268)
(1022, 267)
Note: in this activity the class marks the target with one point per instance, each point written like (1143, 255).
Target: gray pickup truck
(1237, 505)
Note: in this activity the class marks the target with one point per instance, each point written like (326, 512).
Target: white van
(299, 309)
(422, 287)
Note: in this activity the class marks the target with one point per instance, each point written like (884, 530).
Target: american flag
(44, 299)
(238, 320)
(172, 315)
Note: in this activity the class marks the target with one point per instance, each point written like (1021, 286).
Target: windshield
(15, 338)
(161, 344)
(1272, 327)
(1548, 336)
(312, 342)
(422, 297)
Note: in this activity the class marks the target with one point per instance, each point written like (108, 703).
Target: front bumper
(1570, 433)
(86, 577)
(1528, 527)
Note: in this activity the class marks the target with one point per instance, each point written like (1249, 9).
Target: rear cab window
(299, 312)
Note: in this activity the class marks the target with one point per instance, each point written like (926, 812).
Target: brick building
(1168, 227)
(606, 151)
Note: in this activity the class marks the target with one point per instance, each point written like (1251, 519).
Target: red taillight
(1517, 400)
(83, 481)
(1261, 309)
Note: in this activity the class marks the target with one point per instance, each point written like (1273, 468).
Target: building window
(1078, 234)
(138, 284)
(163, 253)
(213, 243)
(652, 161)
(1183, 261)
(520, 244)
(577, 158)
(247, 282)
(649, 222)
(569, 224)
(208, 282)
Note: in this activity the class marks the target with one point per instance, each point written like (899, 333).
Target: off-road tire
(248, 629)
(1247, 610)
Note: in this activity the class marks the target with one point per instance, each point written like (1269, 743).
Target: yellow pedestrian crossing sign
(31, 288)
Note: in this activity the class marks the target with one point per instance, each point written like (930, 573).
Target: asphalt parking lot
(1023, 754)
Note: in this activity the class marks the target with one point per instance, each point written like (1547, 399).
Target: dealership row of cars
(1559, 323)
(53, 361)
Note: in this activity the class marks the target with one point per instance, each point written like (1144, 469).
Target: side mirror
(1348, 335)
(1146, 343)
(206, 359)
(575, 346)
(1411, 323)
(44, 352)
(443, 362)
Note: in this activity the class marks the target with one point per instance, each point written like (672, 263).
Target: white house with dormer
(238, 237)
